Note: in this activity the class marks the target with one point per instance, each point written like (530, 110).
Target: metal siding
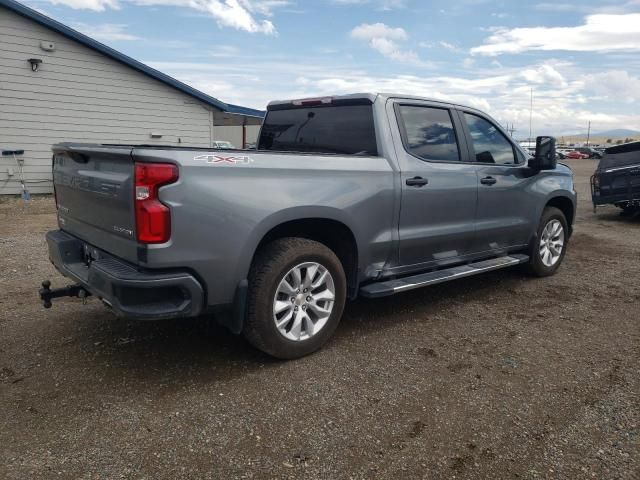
(79, 94)
(231, 134)
(252, 133)
(96, 46)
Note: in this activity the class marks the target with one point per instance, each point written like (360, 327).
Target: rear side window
(345, 129)
(428, 133)
(489, 144)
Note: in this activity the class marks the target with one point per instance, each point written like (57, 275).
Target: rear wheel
(629, 210)
(547, 250)
(297, 292)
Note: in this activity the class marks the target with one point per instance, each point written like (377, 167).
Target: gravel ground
(497, 376)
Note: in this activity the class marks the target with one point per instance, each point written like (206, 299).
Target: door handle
(416, 182)
(488, 181)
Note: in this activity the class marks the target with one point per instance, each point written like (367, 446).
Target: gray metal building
(57, 84)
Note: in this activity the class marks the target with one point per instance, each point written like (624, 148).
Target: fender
(287, 215)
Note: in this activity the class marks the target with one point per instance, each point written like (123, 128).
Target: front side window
(489, 144)
(428, 133)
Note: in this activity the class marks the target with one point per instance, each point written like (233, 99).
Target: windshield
(345, 129)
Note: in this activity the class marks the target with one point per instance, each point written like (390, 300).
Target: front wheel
(297, 292)
(548, 248)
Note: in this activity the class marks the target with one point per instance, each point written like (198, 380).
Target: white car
(222, 144)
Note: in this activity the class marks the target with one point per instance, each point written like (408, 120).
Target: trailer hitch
(46, 294)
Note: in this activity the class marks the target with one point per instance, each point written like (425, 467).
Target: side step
(397, 285)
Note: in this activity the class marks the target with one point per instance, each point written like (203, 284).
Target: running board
(397, 285)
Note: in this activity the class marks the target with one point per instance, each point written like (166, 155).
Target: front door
(503, 218)
(439, 190)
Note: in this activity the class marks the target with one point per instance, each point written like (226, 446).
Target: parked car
(590, 152)
(577, 155)
(358, 195)
(559, 155)
(223, 145)
(616, 180)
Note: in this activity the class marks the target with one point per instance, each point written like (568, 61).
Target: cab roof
(354, 98)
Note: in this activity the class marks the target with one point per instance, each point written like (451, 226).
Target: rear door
(439, 186)
(504, 217)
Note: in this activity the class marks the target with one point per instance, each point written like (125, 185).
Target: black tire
(536, 266)
(271, 264)
(629, 210)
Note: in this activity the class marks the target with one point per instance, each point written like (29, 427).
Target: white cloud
(380, 4)
(225, 51)
(368, 31)
(599, 33)
(544, 74)
(627, 6)
(266, 7)
(563, 102)
(614, 85)
(449, 46)
(96, 5)
(107, 32)
(386, 40)
(238, 14)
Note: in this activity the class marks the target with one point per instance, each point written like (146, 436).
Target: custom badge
(224, 159)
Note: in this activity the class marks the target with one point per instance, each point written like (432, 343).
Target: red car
(578, 155)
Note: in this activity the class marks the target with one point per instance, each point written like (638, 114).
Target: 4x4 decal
(224, 159)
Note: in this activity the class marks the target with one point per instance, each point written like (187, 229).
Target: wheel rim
(551, 243)
(304, 301)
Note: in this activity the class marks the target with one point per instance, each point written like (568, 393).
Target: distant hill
(615, 133)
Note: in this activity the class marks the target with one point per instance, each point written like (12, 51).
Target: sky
(581, 58)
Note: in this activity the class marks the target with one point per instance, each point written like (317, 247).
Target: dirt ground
(497, 376)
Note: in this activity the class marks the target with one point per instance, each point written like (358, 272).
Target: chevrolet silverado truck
(356, 195)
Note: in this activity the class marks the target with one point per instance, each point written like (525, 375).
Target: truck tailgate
(94, 196)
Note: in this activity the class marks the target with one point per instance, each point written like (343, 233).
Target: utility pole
(531, 116)
(588, 132)
(511, 130)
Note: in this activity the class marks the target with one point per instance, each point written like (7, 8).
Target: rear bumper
(620, 187)
(598, 199)
(130, 291)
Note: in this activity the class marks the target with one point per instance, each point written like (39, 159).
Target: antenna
(531, 116)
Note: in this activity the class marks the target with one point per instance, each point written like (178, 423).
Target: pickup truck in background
(616, 180)
(364, 194)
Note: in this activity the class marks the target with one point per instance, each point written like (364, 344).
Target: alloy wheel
(303, 301)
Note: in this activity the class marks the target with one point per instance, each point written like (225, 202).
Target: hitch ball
(44, 291)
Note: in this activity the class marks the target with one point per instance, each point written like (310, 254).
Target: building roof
(89, 42)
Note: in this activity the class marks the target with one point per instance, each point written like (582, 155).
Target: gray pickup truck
(365, 194)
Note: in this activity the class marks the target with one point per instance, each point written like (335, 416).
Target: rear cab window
(342, 128)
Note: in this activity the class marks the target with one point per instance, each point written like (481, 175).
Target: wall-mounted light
(156, 135)
(35, 63)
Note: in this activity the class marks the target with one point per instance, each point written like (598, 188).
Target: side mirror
(545, 156)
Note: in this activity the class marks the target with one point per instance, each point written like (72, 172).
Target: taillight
(153, 218)
(53, 168)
